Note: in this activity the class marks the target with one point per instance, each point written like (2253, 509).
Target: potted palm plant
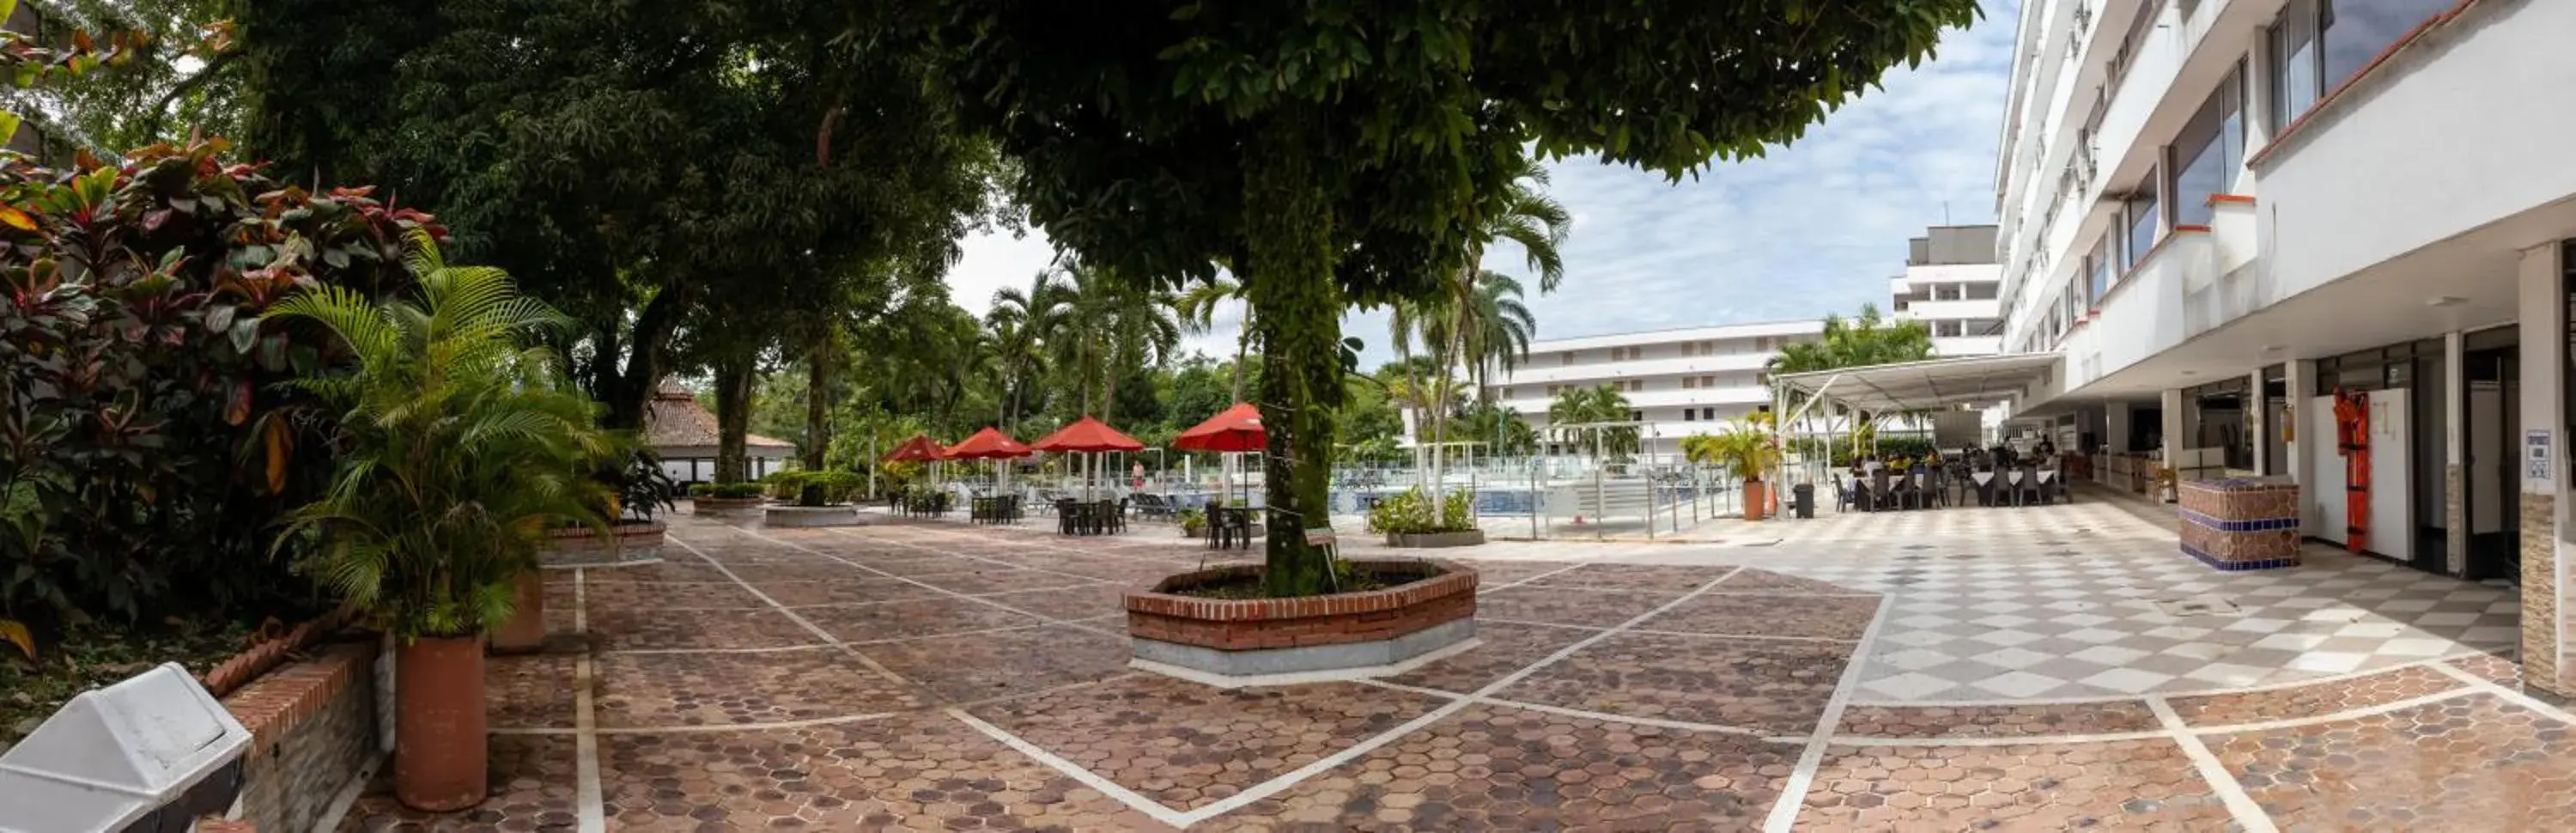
(462, 447)
(1745, 446)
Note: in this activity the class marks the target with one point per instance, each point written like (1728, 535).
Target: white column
(2543, 311)
(2455, 451)
(2258, 419)
(2173, 442)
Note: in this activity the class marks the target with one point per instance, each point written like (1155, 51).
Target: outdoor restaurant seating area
(1881, 489)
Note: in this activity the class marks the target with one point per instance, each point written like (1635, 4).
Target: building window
(1551, 391)
(1689, 382)
(1635, 385)
(1636, 416)
(2209, 152)
(1686, 414)
(1945, 329)
(2318, 45)
(2145, 223)
(2097, 271)
(1565, 358)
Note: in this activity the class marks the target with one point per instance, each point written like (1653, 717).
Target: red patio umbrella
(1088, 435)
(1236, 429)
(920, 449)
(988, 444)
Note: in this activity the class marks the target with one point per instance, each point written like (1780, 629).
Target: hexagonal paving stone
(912, 619)
(1585, 606)
(531, 778)
(2122, 785)
(2329, 697)
(982, 666)
(1186, 745)
(1830, 617)
(1502, 648)
(2109, 717)
(2473, 763)
(720, 689)
(529, 691)
(623, 629)
(1501, 768)
(923, 771)
(1773, 687)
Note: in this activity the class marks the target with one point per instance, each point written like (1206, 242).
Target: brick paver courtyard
(2041, 669)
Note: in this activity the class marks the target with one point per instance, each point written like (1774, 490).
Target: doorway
(2493, 413)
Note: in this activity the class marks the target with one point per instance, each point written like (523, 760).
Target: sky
(1814, 227)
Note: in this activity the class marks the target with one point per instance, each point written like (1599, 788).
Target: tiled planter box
(1252, 641)
(1433, 540)
(625, 543)
(2240, 523)
(783, 515)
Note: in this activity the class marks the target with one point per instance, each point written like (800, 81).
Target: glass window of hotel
(2208, 152)
(2145, 224)
(2097, 269)
(2317, 45)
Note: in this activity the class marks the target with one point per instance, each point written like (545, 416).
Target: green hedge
(837, 486)
(732, 491)
(1907, 447)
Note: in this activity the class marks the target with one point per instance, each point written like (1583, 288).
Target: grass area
(90, 656)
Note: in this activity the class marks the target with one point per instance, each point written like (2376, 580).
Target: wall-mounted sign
(2535, 454)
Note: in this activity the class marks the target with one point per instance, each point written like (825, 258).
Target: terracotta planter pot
(526, 630)
(439, 742)
(1757, 499)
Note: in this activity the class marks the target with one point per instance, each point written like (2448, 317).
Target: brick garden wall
(313, 728)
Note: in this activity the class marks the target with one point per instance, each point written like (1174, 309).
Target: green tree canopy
(1331, 153)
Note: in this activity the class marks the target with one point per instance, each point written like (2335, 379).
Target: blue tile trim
(2239, 566)
(2256, 525)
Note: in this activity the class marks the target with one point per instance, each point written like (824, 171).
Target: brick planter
(726, 507)
(2240, 524)
(1253, 641)
(1433, 540)
(625, 543)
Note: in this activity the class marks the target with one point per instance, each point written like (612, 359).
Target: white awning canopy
(1924, 385)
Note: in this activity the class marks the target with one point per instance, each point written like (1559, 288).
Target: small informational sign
(1321, 537)
(2535, 454)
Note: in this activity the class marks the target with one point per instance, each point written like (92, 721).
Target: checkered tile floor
(2090, 601)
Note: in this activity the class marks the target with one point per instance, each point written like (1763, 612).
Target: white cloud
(1812, 228)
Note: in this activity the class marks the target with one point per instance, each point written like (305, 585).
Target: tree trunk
(1289, 280)
(627, 395)
(818, 380)
(1242, 347)
(733, 419)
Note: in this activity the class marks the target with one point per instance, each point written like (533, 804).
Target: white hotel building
(1954, 286)
(1679, 381)
(2220, 213)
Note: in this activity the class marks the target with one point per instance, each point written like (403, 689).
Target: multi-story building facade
(2229, 217)
(1680, 382)
(1954, 286)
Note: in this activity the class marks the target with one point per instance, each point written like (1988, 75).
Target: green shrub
(1410, 512)
(1191, 519)
(726, 491)
(461, 444)
(149, 457)
(832, 485)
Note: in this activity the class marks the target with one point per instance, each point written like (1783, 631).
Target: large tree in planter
(1332, 152)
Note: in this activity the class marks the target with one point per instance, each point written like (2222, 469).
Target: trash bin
(1802, 500)
(147, 755)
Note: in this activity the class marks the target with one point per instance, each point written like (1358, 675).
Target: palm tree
(1592, 406)
(1480, 319)
(1143, 333)
(1022, 325)
(464, 447)
(1197, 308)
(1860, 341)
